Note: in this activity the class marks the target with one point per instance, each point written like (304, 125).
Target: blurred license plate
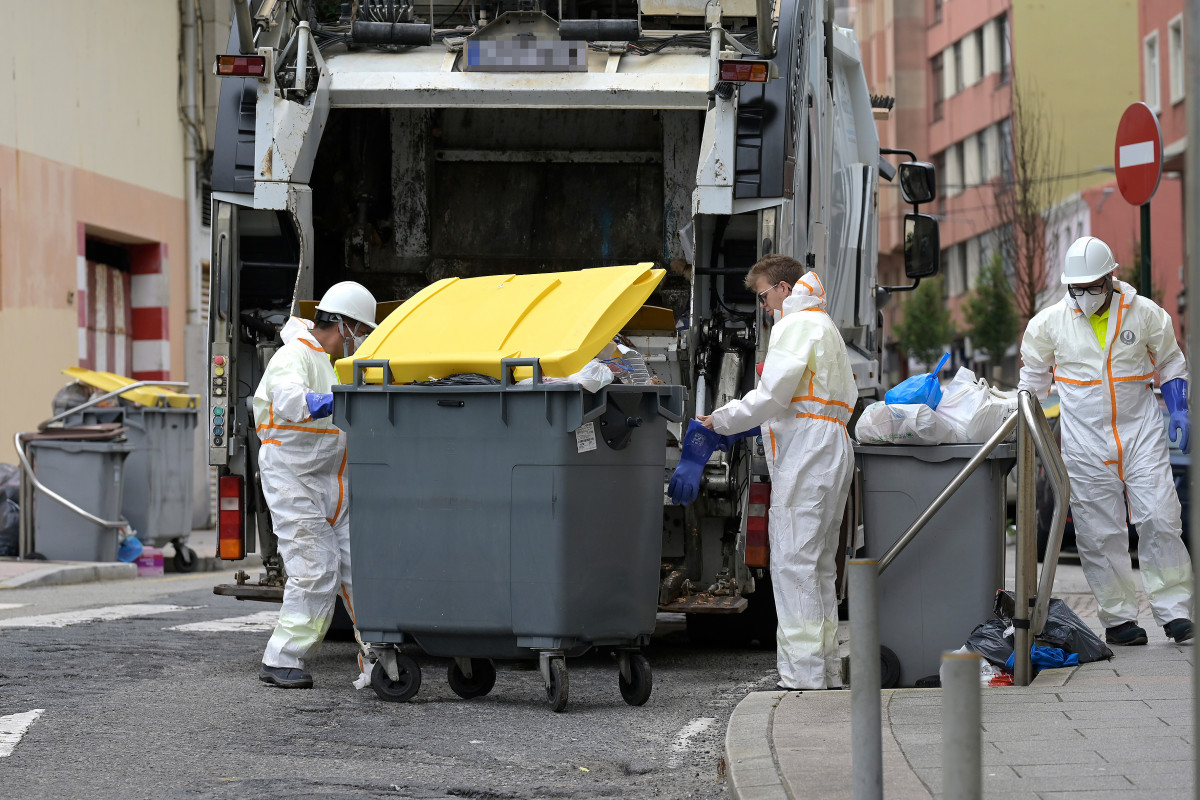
(526, 55)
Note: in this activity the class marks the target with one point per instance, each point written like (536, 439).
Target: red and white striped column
(150, 297)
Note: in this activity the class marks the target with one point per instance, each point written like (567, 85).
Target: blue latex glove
(319, 405)
(698, 444)
(726, 442)
(1046, 658)
(1175, 395)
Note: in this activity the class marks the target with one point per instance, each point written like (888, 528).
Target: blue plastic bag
(1046, 658)
(923, 388)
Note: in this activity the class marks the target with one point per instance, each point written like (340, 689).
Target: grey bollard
(866, 719)
(962, 769)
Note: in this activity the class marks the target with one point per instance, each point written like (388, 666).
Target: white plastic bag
(594, 376)
(974, 409)
(902, 423)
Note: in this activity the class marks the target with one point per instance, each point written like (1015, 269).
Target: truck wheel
(556, 692)
(637, 691)
(400, 691)
(482, 680)
(185, 559)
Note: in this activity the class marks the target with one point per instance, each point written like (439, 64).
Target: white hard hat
(349, 299)
(1088, 259)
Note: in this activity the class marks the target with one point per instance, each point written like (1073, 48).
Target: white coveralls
(803, 402)
(302, 465)
(1114, 444)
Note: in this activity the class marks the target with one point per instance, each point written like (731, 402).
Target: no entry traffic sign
(1138, 154)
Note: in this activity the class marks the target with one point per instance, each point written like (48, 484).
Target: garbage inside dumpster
(907, 423)
(923, 388)
(517, 557)
(967, 410)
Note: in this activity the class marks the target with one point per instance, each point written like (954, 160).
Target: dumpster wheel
(557, 687)
(185, 559)
(636, 690)
(482, 680)
(397, 691)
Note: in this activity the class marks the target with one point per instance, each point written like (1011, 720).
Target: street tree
(990, 312)
(926, 327)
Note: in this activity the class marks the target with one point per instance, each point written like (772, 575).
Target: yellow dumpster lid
(154, 396)
(469, 324)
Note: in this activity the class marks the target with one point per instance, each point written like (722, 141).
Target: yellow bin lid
(153, 396)
(469, 324)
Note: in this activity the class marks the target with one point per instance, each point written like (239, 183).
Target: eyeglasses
(762, 296)
(1080, 291)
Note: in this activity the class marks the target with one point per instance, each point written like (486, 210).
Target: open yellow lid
(469, 324)
(153, 396)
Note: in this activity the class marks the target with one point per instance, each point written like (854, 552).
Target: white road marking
(104, 614)
(686, 734)
(1131, 155)
(262, 621)
(13, 727)
(6, 606)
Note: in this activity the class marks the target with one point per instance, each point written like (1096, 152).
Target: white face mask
(1089, 304)
(350, 342)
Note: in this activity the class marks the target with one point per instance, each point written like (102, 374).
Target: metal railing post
(1026, 545)
(866, 718)
(962, 768)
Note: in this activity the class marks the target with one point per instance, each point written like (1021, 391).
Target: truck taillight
(241, 66)
(231, 519)
(758, 545)
(737, 71)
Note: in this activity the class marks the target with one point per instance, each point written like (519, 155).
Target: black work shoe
(285, 677)
(1127, 633)
(1179, 629)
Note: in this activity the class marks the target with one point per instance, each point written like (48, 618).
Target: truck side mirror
(922, 245)
(918, 182)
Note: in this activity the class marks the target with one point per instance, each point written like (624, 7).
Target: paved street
(148, 688)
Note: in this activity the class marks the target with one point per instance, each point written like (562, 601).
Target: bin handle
(364, 364)
(507, 365)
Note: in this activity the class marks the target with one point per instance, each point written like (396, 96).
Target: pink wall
(1155, 16)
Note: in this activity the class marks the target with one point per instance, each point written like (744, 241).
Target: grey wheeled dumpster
(158, 472)
(505, 522)
(944, 582)
(89, 474)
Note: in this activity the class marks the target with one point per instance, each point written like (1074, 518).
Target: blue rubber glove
(1179, 427)
(319, 405)
(698, 444)
(726, 442)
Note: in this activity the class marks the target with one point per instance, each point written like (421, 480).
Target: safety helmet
(351, 300)
(1088, 259)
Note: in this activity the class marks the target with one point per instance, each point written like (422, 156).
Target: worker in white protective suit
(803, 401)
(1102, 346)
(302, 465)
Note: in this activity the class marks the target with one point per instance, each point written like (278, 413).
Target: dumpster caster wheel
(185, 559)
(400, 691)
(889, 668)
(636, 690)
(556, 692)
(483, 678)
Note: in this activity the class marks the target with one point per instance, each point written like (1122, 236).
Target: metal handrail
(100, 399)
(1060, 483)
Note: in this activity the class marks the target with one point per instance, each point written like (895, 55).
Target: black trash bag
(10, 514)
(461, 379)
(1063, 629)
(989, 641)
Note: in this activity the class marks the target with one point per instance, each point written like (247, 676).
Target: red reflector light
(733, 71)
(231, 521)
(758, 543)
(242, 66)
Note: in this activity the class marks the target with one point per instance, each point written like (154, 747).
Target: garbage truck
(398, 144)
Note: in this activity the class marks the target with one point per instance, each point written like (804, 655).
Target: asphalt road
(133, 706)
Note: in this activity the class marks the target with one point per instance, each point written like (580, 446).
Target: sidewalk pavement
(1109, 729)
(15, 573)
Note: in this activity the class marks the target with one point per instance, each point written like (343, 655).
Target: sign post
(1138, 159)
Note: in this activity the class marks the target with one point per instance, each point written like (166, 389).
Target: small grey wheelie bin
(944, 582)
(505, 522)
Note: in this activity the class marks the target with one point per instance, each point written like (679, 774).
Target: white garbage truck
(397, 144)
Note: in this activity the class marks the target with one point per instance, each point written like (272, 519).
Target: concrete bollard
(866, 718)
(962, 772)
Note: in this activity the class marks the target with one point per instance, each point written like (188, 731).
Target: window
(1175, 62)
(977, 57)
(961, 166)
(958, 66)
(937, 11)
(939, 90)
(1150, 88)
(971, 174)
(1002, 46)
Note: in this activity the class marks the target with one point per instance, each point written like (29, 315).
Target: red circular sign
(1138, 154)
